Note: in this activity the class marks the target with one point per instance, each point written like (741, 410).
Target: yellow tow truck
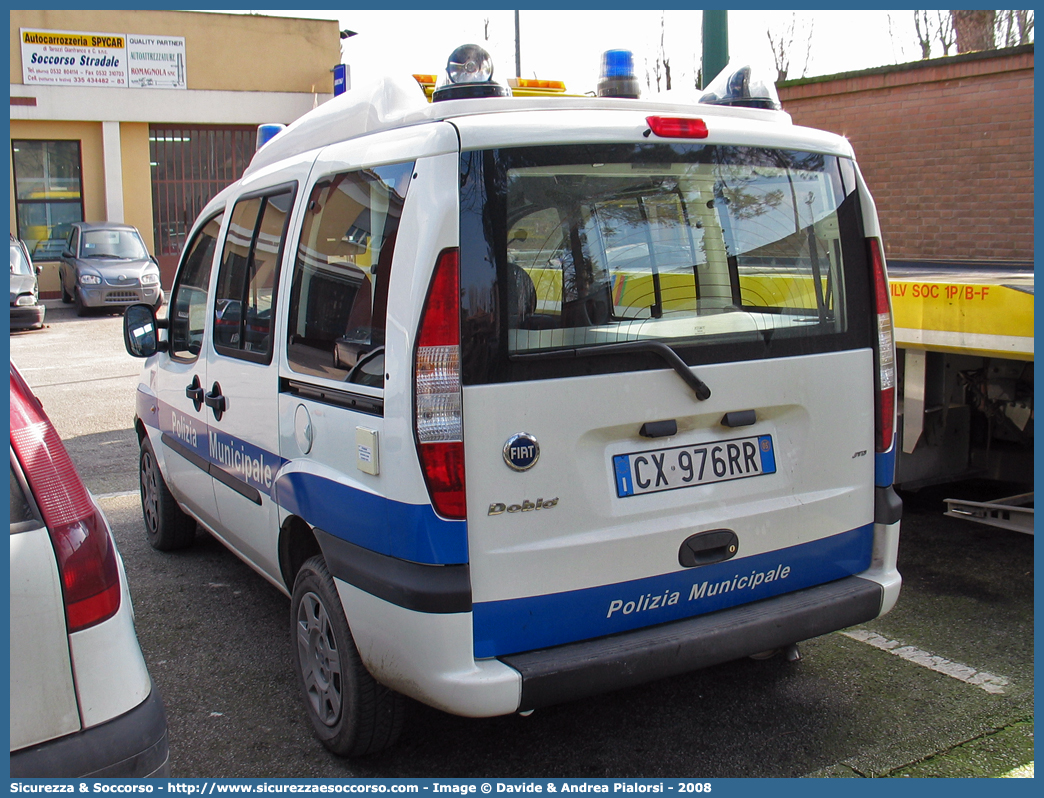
(964, 340)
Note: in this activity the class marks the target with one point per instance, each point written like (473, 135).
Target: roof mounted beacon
(469, 74)
(744, 86)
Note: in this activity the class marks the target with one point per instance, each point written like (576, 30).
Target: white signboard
(73, 58)
(156, 62)
(115, 60)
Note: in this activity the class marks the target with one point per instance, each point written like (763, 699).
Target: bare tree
(780, 46)
(924, 33)
(931, 28)
(946, 32)
(1014, 28)
(663, 56)
(659, 71)
(975, 30)
(783, 44)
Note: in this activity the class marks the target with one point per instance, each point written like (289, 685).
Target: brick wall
(946, 147)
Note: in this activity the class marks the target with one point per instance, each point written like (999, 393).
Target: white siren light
(469, 73)
(742, 86)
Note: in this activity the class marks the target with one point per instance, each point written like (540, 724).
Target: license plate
(656, 470)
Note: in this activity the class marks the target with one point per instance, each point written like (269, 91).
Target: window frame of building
(49, 197)
(189, 165)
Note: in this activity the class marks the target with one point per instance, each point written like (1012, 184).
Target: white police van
(525, 399)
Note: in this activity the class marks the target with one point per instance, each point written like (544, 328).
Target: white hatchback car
(82, 701)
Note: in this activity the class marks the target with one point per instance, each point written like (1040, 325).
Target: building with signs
(142, 116)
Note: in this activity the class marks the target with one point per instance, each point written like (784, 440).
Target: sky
(567, 45)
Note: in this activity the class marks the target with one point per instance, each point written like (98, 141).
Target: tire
(167, 526)
(351, 713)
(66, 297)
(81, 309)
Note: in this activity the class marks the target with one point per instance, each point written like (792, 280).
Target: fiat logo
(521, 451)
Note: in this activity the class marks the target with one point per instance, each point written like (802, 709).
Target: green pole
(715, 43)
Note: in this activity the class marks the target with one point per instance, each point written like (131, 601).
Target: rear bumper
(578, 670)
(133, 745)
(428, 655)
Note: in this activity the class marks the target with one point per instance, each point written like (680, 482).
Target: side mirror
(140, 334)
(67, 254)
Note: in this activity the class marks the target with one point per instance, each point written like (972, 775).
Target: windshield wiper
(659, 348)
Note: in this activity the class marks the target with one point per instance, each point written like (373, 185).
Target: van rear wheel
(167, 526)
(351, 713)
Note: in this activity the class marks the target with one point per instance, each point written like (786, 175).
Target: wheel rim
(320, 659)
(149, 492)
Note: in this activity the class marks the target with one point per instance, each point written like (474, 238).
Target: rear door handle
(705, 548)
(195, 392)
(216, 401)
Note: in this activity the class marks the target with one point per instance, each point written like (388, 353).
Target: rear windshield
(718, 252)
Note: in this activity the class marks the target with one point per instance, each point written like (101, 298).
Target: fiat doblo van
(523, 399)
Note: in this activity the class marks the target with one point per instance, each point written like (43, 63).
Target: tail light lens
(885, 355)
(439, 418)
(85, 552)
(673, 127)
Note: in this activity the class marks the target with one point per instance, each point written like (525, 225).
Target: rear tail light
(85, 552)
(885, 355)
(439, 418)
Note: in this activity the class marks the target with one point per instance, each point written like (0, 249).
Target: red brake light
(443, 465)
(674, 127)
(86, 556)
(885, 355)
(440, 319)
(439, 421)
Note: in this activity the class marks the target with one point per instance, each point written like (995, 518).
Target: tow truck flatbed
(983, 309)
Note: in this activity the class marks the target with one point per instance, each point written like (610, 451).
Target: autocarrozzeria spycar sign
(108, 60)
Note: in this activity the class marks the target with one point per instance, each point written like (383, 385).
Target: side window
(339, 295)
(246, 289)
(188, 303)
(74, 241)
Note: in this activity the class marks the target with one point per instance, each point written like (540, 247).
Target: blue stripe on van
(408, 531)
(526, 624)
(884, 466)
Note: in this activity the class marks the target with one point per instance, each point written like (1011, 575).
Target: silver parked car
(106, 265)
(26, 310)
